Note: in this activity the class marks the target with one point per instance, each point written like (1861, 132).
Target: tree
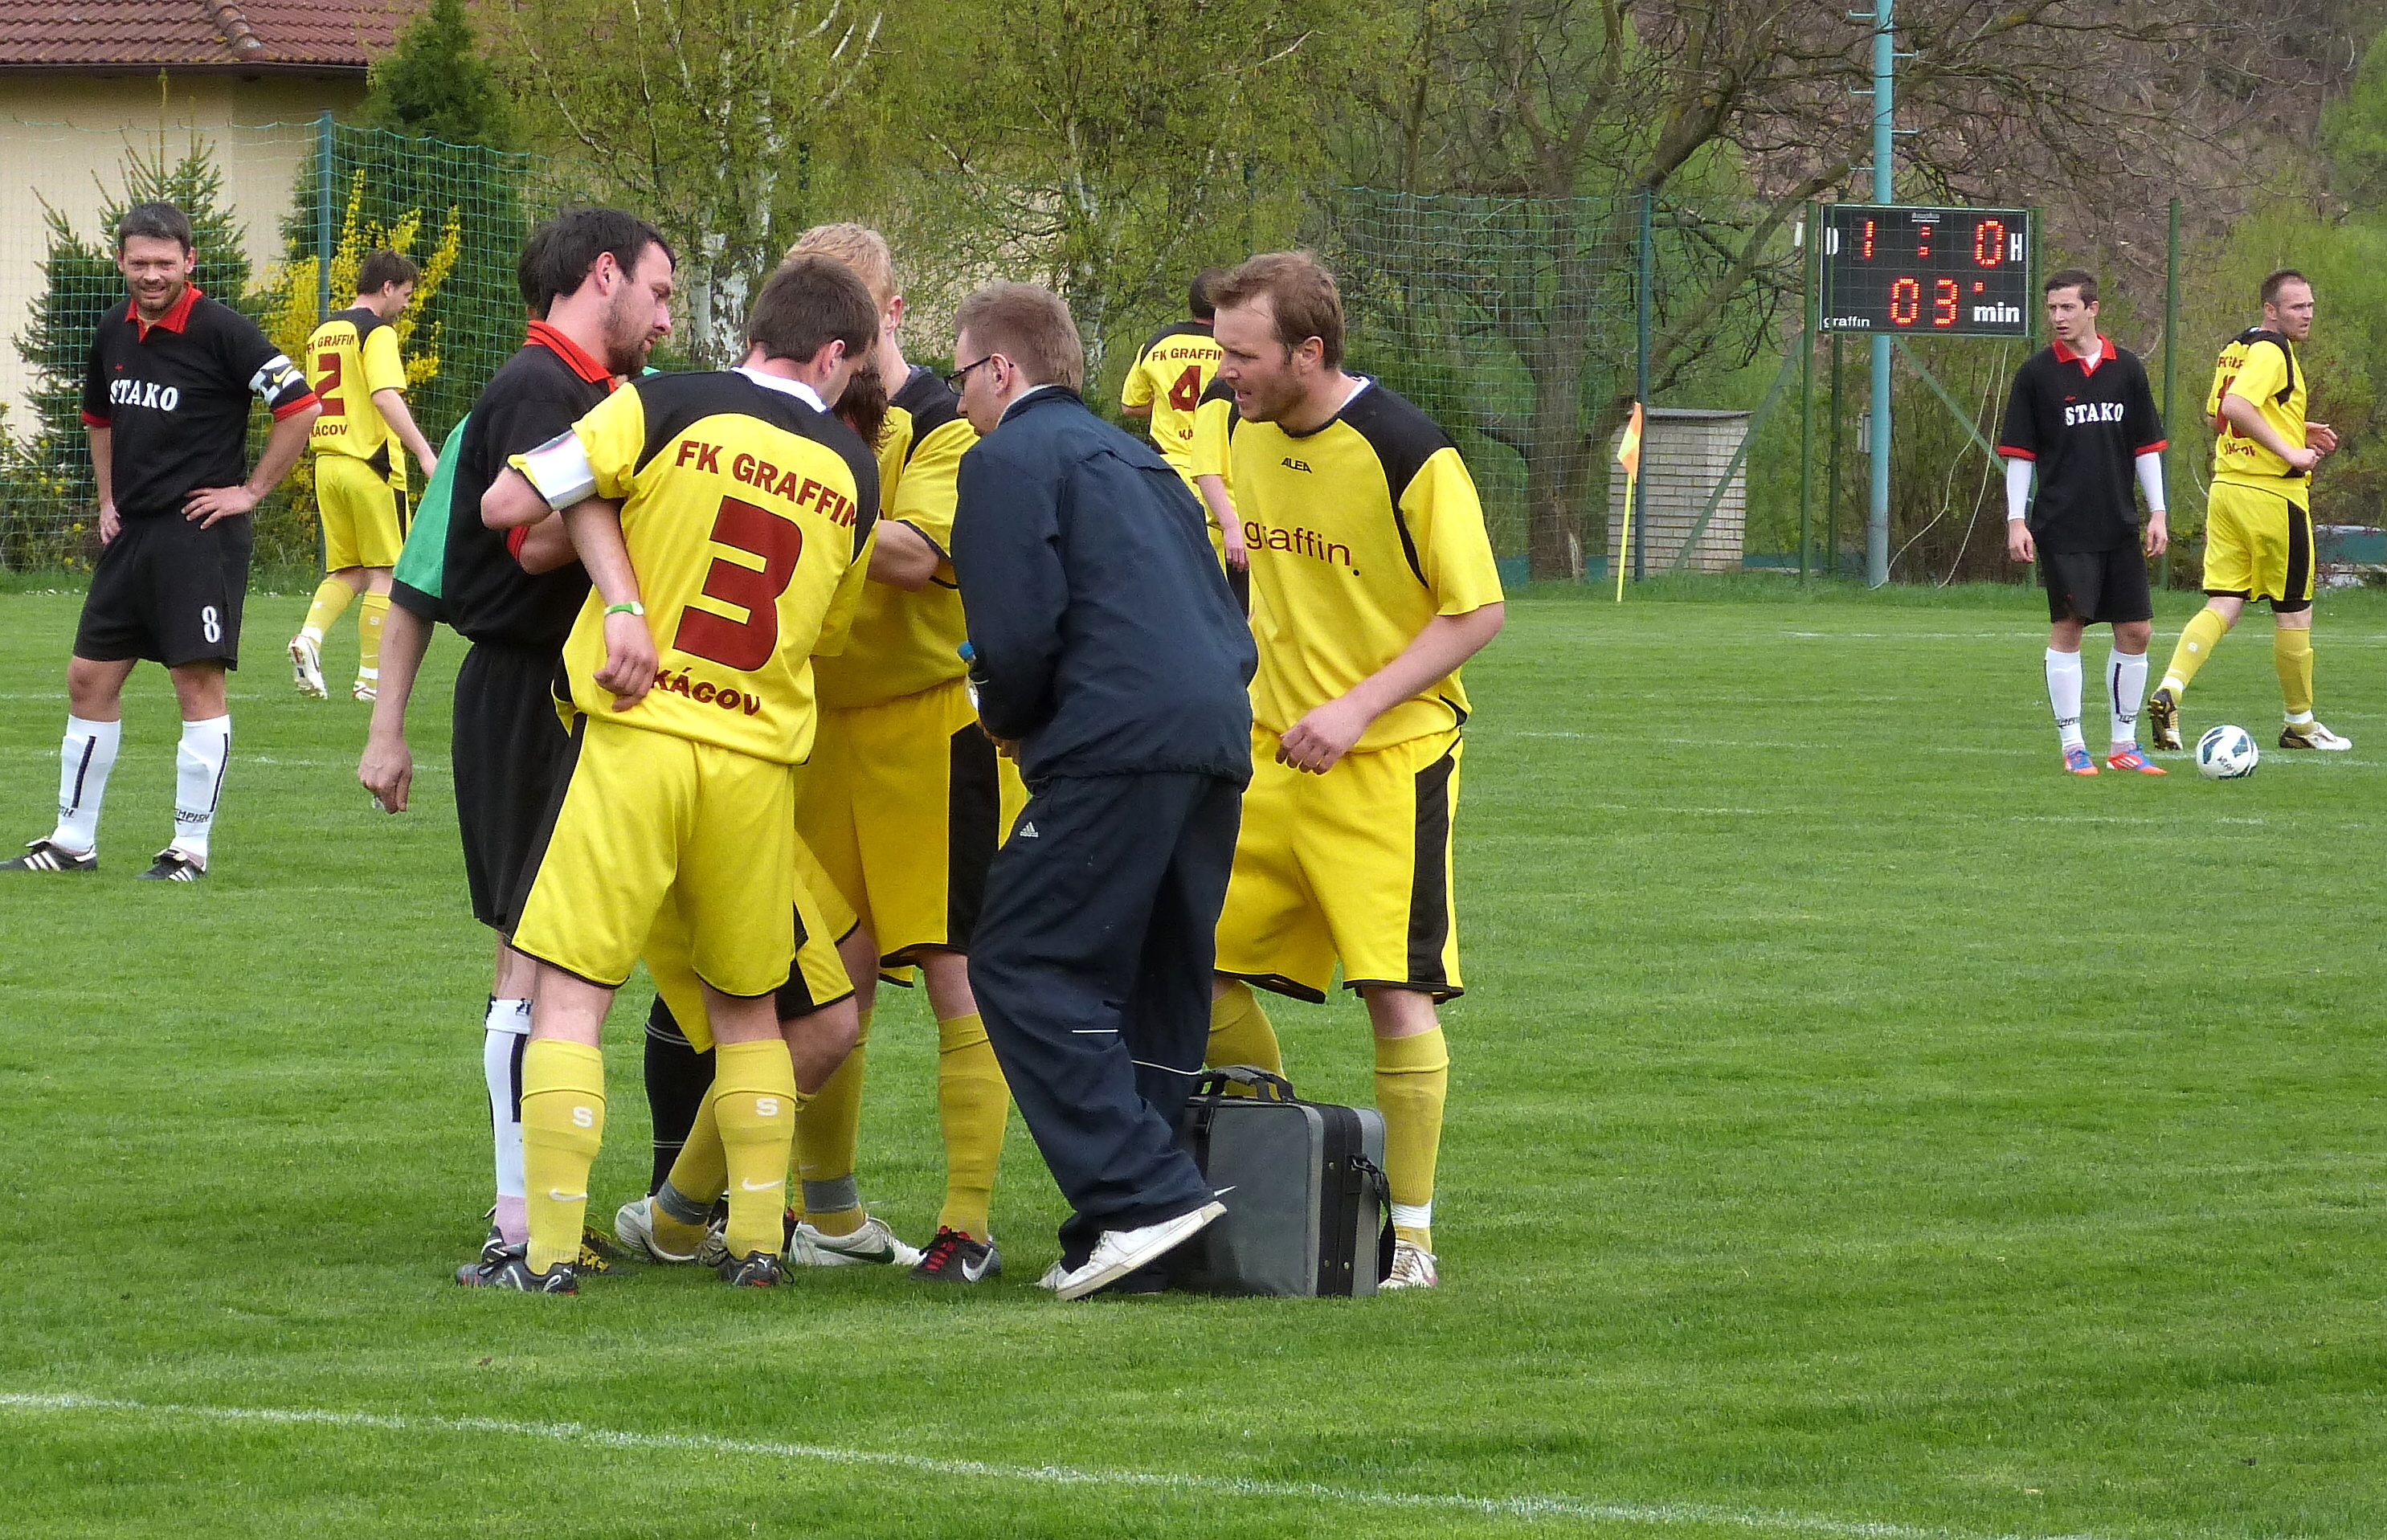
(436, 82)
(1556, 100)
(699, 114)
(1116, 145)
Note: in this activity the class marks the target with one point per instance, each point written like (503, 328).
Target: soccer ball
(2228, 753)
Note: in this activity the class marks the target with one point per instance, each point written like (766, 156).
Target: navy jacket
(1107, 641)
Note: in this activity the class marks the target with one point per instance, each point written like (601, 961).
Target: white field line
(1528, 1508)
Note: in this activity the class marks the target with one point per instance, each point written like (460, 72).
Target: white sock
(85, 761)
(199, 782)
(2126, 677)
(2063, 694)
(1413, 1215)
(504, 1031)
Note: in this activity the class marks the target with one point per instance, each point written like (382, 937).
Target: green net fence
(282, 214)
(1518, 323)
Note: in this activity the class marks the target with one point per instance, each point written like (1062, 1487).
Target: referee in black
(604, 280)
(2080, 414)
(1112, 661)
(166, 400)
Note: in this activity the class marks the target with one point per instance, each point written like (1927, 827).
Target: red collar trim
(174, 320)
(571, 353)
(2104, 351)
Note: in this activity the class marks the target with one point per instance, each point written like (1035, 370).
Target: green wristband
(632, 608)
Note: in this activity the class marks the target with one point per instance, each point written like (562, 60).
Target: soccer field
(1858, 1128)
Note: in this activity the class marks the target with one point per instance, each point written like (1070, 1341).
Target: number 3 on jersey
(743, 645)
(1186, 394)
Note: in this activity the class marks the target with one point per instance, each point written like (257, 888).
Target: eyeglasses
(953, 381)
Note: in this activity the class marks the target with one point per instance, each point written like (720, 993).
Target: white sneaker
(307, 666)
(2311, 735)
(634, 1226)
(1412, 1267)
(1121, 1252)
(1055, 1276)
(873, 1244)
(363, 690)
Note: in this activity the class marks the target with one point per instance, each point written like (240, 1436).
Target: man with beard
(607, 276)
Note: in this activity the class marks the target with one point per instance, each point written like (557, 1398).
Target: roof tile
(70, 34)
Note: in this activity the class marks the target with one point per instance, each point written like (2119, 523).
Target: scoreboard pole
(1885, 62)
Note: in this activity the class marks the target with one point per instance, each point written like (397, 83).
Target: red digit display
(1893, 268)
(1988, 242)
(1905, 301)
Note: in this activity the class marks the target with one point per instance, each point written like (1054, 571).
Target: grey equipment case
(1309, 1210)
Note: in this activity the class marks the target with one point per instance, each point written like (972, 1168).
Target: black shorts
(166, 590)
(507, 751)
(2096, 586)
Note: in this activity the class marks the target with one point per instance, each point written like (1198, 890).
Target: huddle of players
(2080, 415)
(620, 522)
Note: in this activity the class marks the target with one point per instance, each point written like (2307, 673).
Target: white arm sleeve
(560, 471)
(2150, 479)
(2017, 487)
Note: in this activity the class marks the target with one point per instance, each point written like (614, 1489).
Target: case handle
(1263, 1085)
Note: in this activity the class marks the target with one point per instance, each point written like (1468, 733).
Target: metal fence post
(2171, 354)
(1808, 237)
(326, 181)
(1641, 378)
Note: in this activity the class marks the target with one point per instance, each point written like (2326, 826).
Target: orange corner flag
(1628, 448)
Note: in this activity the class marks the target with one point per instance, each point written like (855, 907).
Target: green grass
(1854, 1122)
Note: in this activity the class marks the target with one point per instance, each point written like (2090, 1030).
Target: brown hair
(2276, 281)
(808, 304)
(2072, 278)
(859, 247)
(864, 405)
(1028, 325)
(157, 221)
(382, 269)
(1301, 295)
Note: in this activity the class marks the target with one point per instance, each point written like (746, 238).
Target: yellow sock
(2197, 641)
(2292, 653)
(1412, 1079)
(332, 598)
(563, 1122)
(973, 1102)
(1241, 1032)
(755, 1104)
(701, 1171)
(370, 615)
(826, 1140)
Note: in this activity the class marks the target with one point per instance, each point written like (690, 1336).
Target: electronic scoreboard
(1893, 269)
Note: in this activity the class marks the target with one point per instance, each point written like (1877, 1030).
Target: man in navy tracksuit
(1111, 659)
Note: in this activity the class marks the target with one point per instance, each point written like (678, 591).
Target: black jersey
(175, 394)
(540, 392)
(2085, 426)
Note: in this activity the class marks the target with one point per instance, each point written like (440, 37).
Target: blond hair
(859, 247)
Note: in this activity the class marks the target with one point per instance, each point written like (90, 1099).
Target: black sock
(677, 1077)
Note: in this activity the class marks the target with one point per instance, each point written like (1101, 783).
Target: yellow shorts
(1353, 865)
(649, 819)
(905, 804)
(365, 513)
(819, 978)
(2258, 545)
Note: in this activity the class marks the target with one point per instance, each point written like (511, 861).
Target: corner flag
(1628, 454)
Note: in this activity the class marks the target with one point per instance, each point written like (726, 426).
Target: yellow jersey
(2261, 366)
(1359, 532)
(746, 512)
(902, 643)
(349, 357)
(1170, 375)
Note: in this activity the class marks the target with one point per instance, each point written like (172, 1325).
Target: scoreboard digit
(1897, 270)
